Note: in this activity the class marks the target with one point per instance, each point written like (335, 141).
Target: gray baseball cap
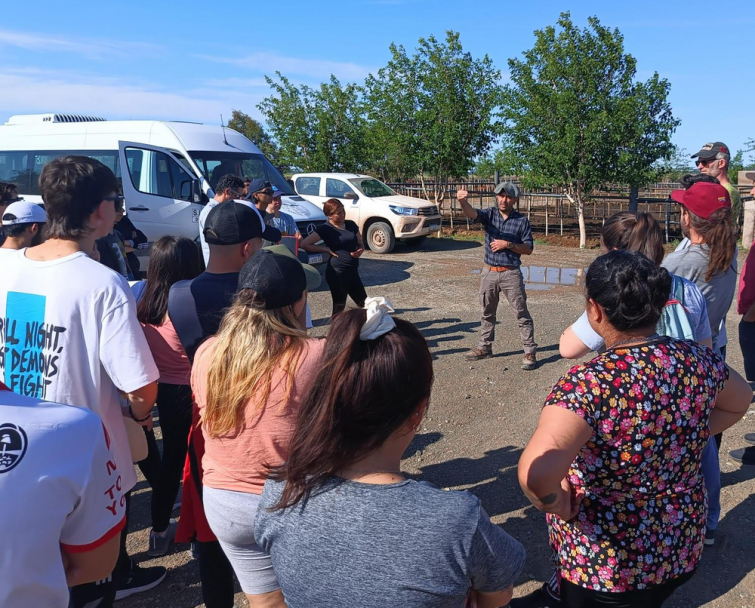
(509, 188)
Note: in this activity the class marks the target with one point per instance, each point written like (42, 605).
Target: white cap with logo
(24, 212)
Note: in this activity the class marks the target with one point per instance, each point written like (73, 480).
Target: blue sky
(194, 60)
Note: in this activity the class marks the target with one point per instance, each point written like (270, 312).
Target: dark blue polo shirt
(515, 229)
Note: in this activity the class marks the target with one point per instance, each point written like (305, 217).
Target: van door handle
(139, 208)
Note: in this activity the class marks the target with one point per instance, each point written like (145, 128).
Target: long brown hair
(629, 232)
(172, 259)
(364, 392)
(252, 343)
(719, 233)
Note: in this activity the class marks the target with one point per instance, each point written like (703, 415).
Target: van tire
(416, 241)
(380, 237)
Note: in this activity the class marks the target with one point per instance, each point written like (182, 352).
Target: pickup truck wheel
(416, 241)
(380, 237)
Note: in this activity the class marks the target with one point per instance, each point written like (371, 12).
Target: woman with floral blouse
(615, 459)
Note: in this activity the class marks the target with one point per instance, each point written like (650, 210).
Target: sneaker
(160, 543)
(743, 455)
(478, 353)
(710, 537)
(529, 362)
(537, 599)
(139, 579)
(750, 438)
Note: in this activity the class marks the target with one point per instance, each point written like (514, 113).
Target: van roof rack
(29, 119)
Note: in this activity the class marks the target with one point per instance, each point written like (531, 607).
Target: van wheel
(380, 237)
(416, 242)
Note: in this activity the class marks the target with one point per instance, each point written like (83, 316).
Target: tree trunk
(576, 200)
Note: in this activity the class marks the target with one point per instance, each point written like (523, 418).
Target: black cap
(232, 223)
(279, 280)
(258, 184)
(710, 150)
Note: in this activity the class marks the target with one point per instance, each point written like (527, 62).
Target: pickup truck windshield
(371, 187)
(215, 165)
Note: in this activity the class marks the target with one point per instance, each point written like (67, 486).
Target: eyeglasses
(267, 191)
(117, 201)
(15, 200)
(705, 161)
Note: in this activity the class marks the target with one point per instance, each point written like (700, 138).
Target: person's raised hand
(462, 195)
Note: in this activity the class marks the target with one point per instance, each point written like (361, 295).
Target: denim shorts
(231, 518)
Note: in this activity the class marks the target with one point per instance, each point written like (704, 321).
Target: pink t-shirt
(237, 462)
(747, 283)
(169, 355)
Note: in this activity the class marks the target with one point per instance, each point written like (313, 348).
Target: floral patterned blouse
(642, 521)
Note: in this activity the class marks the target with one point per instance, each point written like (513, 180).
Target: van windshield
(371, 187)
(215, 165)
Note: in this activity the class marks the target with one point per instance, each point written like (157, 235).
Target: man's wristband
(133, 416)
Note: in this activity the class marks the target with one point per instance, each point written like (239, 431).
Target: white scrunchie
(379, 320)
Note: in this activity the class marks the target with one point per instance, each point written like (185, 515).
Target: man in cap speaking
(508, 237)
(714, 159)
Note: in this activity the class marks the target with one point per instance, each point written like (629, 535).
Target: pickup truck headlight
(403, 210)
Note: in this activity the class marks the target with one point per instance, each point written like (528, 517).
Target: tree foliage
(432, 113)
(254, 132)
(316, 129)
(576, 117)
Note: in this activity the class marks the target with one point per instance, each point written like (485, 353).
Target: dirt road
(482, 414)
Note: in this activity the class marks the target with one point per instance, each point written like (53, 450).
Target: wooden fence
(551, 212)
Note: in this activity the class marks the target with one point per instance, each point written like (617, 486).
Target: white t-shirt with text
(69, 334)
(61, 487)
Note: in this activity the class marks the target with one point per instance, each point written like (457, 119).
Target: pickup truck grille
(427, 211)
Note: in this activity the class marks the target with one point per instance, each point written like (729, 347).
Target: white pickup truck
(383, 216)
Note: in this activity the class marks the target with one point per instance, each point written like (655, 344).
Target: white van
(383, 216)
(172, 167)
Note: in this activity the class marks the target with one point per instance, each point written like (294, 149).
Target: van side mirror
(351, 196)
(291, 183)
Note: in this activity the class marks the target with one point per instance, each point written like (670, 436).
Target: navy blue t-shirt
(196, 307)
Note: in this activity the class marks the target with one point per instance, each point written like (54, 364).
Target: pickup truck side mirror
(351, 196)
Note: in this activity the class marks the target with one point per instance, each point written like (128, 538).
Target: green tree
(254, 132)
(317, 129)
(500, 160)
(576, 117)
(432, 113)
(678, 164)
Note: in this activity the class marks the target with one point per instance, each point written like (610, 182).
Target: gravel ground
(482, 414)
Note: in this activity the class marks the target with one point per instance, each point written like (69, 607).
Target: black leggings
(216, 574)
(574, 596)
(164, 474)
(344, 283)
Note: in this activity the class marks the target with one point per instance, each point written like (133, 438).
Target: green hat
(313, 275)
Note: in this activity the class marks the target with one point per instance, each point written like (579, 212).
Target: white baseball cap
(24, 212)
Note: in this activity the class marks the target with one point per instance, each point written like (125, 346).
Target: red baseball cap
(703, 198)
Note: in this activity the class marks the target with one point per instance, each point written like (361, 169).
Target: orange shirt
(237, 461)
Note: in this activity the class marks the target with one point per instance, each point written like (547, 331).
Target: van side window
(335, 188)
(308, 185)
(14, 169)
(157, 173)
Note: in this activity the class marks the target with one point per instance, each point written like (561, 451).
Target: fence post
(546, 217)
(497, 177)
(668, 215)
(633, 194)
